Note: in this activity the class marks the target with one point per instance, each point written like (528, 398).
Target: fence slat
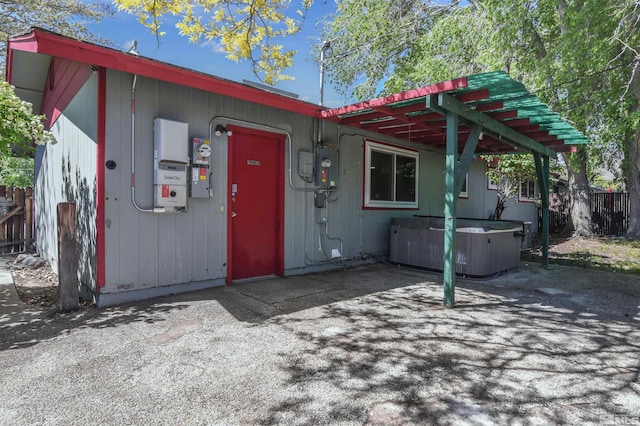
(609, 213)
(16, 219)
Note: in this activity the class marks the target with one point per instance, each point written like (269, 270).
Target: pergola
(479, 114)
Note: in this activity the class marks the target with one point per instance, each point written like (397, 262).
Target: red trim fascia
(100, 179)
(48, 43)
(445, 86)
(362, 117)
(7, 70)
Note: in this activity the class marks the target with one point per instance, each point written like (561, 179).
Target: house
(183, 180)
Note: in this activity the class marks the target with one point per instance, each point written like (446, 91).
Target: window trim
(523, 199)
(490, 185)
(465, 194)
(367, 203)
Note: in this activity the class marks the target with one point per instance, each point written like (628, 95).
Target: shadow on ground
(514, 351)
(375, 346)
(253, 302)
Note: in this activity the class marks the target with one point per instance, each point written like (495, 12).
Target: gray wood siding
(147, 250)
(66, 172)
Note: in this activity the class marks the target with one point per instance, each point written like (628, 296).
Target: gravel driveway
(370, 345)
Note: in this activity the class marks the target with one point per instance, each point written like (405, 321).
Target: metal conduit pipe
(133, 150)
(267, 128)
(308, 260)
(326, 234)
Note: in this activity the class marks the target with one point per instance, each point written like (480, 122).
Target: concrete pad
(366, 346)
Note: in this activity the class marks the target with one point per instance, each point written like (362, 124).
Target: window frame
(465, 194)
(367, 202)
(523, 198)
(490, 185)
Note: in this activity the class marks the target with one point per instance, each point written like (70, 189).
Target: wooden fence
(16, 219)
(558, 213)
(609, 213)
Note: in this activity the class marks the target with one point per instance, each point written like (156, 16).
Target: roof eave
(48, 43)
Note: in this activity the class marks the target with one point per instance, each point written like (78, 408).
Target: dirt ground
(612, 254)
(38, 287)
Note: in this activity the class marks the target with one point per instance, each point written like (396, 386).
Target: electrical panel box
(170, 140)
(200, 168)
(171, 160)
(305, 164)
(326, 168)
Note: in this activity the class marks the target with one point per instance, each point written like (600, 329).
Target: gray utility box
(483, 247)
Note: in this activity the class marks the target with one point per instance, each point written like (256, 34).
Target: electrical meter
(201, 152)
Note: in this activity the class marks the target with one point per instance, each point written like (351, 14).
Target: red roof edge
(49, 43)
(445, 86)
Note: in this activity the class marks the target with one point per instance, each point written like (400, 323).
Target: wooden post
(67, 257)
(28, 216)
(28, 223)
(9, 223)
(3, 226)
(18, 221)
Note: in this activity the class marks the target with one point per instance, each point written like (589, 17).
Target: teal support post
(542, 170)
(450, 203)
(467, 156)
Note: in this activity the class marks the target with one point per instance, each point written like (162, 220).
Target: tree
(18, 125)
(245, 29)
(68, 17)
(509, 171)
(568, 53)
(16, 172)
(627, 111)
(19, 128)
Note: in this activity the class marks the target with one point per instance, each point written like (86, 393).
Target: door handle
(234, 214)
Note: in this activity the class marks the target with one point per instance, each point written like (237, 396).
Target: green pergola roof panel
(497, 97)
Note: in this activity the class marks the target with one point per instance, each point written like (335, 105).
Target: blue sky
(123, 28)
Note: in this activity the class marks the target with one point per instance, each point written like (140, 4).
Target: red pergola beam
(476, 95)
(446, 86)
(503, 115)
(490, 106)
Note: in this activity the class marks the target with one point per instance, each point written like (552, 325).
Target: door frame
(280, 148)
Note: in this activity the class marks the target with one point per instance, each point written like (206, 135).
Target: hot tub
(483, 247)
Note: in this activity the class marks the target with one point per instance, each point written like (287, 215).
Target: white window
(527, 190)
(391, 177)
(464, 192)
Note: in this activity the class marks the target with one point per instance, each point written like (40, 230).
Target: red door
(255, 237)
